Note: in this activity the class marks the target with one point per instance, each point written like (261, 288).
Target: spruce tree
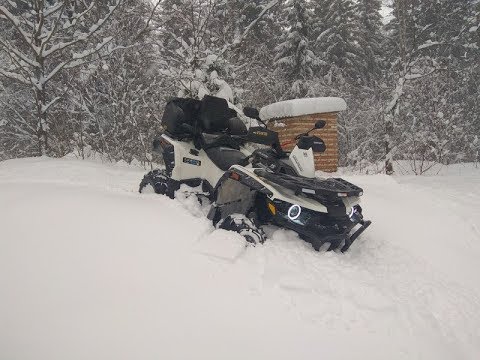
(295, 60)
(252, 59)
(339, 44)
(370, 23)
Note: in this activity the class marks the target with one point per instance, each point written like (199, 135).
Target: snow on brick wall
(288, 128)
(299, 107)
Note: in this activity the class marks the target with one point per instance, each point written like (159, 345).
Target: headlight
(355, 213)
(351, 212)
(294, 212)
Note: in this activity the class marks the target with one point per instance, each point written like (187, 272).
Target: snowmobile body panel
(190, 163)
(314, 221)
(280, 193)
(303, 162)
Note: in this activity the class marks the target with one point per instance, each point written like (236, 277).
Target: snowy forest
(93, 76)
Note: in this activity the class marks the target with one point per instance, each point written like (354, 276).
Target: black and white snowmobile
(205, 144)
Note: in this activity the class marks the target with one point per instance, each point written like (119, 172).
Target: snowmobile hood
(282, 193)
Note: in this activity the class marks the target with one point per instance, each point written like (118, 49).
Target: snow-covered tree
(339, 43)
(50, 37)
(295, 59)
(253, 57)
(195, 39)
(411, 86)
(370, 36)
(114, 105)
(422, 48)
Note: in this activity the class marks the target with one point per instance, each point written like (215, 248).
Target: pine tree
(370, 23)
(338, 45)
(253, 57)
(295, 59)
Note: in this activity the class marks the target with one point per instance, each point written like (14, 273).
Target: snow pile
(298, 107)
(90, 269)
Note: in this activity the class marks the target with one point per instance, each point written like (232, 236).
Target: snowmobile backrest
(214, 114)
(236, 126)
(178, 112)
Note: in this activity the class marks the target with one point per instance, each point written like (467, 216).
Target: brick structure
(293, 117)
(288, 128)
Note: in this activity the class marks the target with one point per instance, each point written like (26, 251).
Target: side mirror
(251, 112)
(320, 124)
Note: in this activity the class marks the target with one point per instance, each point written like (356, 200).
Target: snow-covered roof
(298, 107)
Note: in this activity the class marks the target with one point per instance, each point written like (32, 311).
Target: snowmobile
(205, 145)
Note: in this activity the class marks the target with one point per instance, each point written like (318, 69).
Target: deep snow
(90, 269)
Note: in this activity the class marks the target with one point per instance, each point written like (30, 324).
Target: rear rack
(332, 187)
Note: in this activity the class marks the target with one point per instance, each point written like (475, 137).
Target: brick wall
(327, 161)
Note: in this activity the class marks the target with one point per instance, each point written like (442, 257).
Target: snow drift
(90, 269)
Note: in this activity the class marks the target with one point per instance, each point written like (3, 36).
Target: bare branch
(4, 13)
(50, 104)
(238, 40)
(76, 60)
(149, 20)
(20, 55)
(84, 36)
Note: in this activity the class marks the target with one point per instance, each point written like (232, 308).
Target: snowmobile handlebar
(253, 113)
(320, 124)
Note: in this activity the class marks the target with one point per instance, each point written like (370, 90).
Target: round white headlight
(294, 212)
(352, 212)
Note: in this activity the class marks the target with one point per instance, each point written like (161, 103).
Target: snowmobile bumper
(350, 239)
(319, 228)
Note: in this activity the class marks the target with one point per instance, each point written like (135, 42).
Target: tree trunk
(388, 143)
(40, 91)
(42, 127)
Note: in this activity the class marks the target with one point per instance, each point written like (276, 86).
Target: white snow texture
(298, 107)
(90, 269)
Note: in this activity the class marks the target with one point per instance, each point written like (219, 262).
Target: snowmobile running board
(349, 240)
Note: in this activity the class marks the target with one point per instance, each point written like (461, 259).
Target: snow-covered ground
(90, 269)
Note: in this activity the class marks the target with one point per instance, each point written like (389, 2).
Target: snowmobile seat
(214, 114)
(224, 157)
(179, 112)
(209, 141)
(236, 127)
(233, 137)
